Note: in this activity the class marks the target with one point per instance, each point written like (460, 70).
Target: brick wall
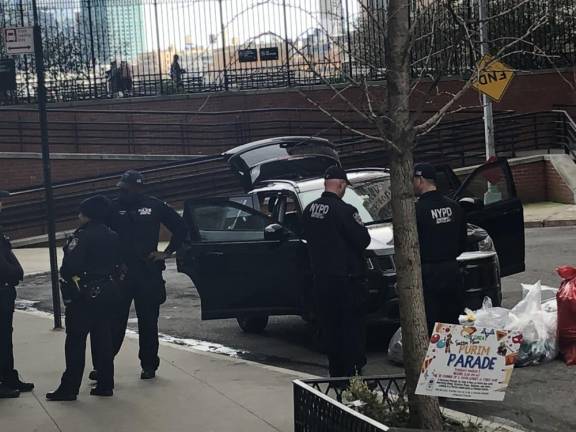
(531, 181)
(557, 189)
(22, 173)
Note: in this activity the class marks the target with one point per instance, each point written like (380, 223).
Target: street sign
(7, 74)
(267, 54)
(493, 78)
(19, 40)
(248, 55)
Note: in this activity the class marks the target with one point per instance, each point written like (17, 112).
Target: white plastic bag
(395, 353)
(534, 320)
(488, 316)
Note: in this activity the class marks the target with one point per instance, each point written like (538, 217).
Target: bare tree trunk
(424, 411)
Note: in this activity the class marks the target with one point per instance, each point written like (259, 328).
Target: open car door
(489, 197)
(242, 262)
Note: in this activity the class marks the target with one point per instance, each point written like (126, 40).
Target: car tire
(253, 324)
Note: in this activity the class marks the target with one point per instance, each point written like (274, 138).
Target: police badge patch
(73, 243)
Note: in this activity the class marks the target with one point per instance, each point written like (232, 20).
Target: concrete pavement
(194, 391)
(549, 214)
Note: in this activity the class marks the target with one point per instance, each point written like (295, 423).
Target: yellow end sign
(493, 78)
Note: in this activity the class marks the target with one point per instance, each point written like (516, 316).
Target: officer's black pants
(83, 319)
(7, 298)
(443, 293)
(340, 308)
(148, 293)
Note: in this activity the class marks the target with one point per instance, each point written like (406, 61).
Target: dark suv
(248, 259)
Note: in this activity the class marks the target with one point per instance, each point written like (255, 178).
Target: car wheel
(253, 324)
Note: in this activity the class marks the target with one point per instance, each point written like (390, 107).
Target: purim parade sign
(466, 362)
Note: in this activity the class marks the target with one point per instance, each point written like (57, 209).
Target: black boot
(8, 392)
(97, 391)
(148, 374)
(19, 385)
(61, 394)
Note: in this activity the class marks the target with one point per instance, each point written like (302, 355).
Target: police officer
(11, 274)
(442, 234)
(89, 268)
(336, 240)
(137, 219)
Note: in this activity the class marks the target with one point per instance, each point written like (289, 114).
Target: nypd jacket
(441, 228)
(11, 272)
(92, 252)
(336, 237)
(138, 225)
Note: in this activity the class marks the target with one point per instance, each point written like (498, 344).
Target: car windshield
(370, 197)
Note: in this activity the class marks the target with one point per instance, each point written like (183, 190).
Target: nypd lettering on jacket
(319, 211)
(442, 215)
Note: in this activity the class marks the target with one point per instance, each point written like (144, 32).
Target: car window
(489, 184)
(370, 197)
(226, 222)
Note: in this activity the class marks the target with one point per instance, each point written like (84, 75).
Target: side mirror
(471, 204)
(275, 232)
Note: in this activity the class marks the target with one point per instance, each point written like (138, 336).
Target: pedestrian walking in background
(176, 73)
(337, 239)
(126, 80)
(11, 274)
(442, 234)
(113, 79)
(90, 273)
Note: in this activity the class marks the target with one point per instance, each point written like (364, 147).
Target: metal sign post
(486, 101)
(39, 55)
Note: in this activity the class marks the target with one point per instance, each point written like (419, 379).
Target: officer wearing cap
(89, 290)
(137, 218)
(442, 234)
(336, 240)
(11, 274)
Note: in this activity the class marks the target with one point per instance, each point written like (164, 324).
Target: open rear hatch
(288, 158)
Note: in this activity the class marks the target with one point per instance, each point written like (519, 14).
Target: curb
(550, 223)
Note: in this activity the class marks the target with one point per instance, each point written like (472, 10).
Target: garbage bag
(534, 320)
(566, 298)
(488, 316)
(537, 326)
(395, 353)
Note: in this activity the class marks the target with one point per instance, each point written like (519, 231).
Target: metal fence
(124, 48)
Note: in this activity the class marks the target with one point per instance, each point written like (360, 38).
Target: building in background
(332, 17)
(116, 29)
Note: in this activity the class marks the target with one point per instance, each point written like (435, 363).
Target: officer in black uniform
(89, 287)
(442, 234)
(137, 219)
(337, 239)
(11, 274)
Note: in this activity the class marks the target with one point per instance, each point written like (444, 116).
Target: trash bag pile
(535, 320)
(566, 298)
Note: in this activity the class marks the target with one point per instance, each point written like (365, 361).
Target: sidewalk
(194, 391)
(549, 214)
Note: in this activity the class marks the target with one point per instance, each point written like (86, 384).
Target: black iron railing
(125, 48)
(318, 407)
(458, 143)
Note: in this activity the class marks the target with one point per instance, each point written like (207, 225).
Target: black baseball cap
(96, 208)
(425, 170)
(336, 172)
(4, 194)
(131, 178)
